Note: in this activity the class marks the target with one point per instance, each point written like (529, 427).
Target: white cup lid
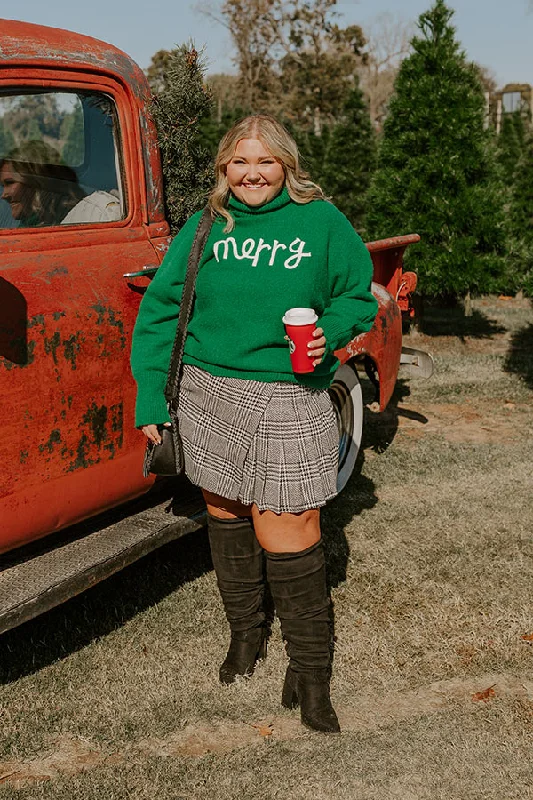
(299, 316)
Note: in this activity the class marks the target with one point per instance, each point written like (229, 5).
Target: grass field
(430, 555)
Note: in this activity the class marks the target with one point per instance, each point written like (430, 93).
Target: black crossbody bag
(167, 458)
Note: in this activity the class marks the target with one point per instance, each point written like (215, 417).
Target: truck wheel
(347, 398)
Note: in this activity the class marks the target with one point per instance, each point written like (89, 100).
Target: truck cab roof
(24, 44)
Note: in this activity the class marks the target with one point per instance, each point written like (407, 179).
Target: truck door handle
(149, 270)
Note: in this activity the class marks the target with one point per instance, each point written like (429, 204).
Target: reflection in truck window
(6, 217)
(59, 160)
(40, 189)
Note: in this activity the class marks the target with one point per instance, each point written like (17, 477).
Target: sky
(496, 33)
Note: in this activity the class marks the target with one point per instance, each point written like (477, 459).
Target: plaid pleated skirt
(272, 444)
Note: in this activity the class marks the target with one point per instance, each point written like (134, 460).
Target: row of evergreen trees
(436, 169)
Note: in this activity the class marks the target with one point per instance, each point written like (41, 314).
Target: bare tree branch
(211, 10)
(292, 56)
(388, 43)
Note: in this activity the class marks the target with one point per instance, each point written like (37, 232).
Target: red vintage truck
(72, 273)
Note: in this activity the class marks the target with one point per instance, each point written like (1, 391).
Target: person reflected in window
(39, 188)
(6, 217)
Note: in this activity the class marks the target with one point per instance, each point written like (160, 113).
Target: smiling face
(16, 192)
(254, 176)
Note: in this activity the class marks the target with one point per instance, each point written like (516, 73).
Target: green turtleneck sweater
(279, 255)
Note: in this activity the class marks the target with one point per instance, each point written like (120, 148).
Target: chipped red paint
(407, 287)
(67, 393)
(383, 344)
(387, 257)
(68, 448)
(392, 288)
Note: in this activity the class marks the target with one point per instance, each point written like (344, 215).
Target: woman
(40, 189)
(260, 440)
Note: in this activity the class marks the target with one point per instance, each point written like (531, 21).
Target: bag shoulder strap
(199, 242)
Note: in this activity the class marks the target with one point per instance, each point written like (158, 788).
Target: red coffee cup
(299, 325)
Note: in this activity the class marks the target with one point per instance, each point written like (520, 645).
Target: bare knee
(286, 533)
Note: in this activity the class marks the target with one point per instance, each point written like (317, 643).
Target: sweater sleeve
(353, 307)
(155, 329)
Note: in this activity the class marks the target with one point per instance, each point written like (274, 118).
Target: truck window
(60, 159)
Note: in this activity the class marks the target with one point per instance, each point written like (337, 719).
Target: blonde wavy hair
(280, 144)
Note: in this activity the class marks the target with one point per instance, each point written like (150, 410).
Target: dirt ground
(430, 560)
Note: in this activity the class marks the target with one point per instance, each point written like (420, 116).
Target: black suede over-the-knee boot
(298, 585)
(239, 566)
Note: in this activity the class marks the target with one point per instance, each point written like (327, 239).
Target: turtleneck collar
(280, 200)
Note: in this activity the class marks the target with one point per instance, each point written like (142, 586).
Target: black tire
(347, 399)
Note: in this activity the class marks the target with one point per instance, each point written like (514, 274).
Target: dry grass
(430, 556)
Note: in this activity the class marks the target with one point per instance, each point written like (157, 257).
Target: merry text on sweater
(252, 250)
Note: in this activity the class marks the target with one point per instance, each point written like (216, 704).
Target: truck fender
(382, 344)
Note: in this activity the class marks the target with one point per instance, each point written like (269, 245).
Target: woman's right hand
(152, 432)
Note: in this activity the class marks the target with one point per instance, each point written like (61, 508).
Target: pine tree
(520, 221)
(35, 133)
(511, 144)
(342, 158)
(73, 135)
(436, 174)
(213, 128)
(225, 111)
(178, 111)
(350, 160)
(312, 148)
(7, 140)
(515, 160)
(156, 74)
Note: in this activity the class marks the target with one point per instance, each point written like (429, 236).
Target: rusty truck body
(69, 294)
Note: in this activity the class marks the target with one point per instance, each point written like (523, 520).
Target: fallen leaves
(527, 637)
(485, 695)
(264, 728)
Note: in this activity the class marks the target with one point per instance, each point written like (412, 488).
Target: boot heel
(316, 711)
(289, 695)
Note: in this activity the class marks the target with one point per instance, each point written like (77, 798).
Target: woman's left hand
(317, 347)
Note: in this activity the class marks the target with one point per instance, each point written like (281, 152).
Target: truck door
(72, 222)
